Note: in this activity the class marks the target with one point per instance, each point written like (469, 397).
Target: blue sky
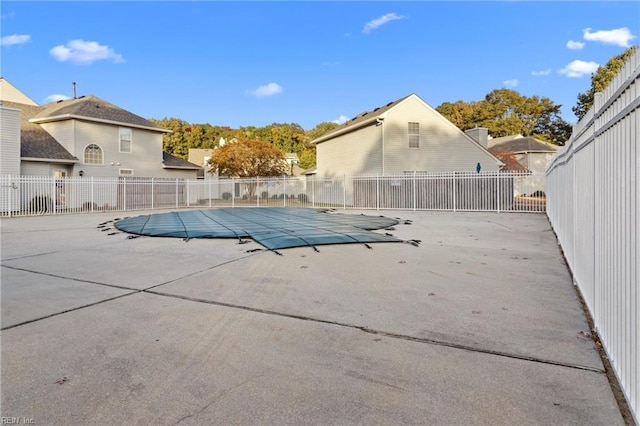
(255, 63)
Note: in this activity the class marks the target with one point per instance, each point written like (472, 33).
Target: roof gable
(94, 109)
(35, 142)
(8, 92)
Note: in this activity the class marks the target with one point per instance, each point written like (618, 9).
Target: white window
(93, 154)
(126, 172)
(125, 139)
(414, 135)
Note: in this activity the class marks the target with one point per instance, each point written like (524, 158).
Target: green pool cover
(273, 227)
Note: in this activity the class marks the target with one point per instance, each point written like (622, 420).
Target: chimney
(74, 89)
(479, 134)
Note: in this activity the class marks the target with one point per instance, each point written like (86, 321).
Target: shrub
(303, 198)
(245, 197)
(89, 206)
(264, 194)
(281, 196)
(274, 196)
(226, 195)
(538, 193)
(41, 203)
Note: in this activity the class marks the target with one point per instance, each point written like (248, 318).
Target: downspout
(380, 122)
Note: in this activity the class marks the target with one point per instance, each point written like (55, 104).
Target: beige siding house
(403, 136)
(90, 137)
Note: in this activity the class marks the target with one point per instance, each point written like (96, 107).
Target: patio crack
(387, 333)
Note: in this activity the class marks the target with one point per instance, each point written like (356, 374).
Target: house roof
(171, 162)
(522, 145)
(94, 109)
(509, 160)
(494, 141)
(35, 142)
(360, 119)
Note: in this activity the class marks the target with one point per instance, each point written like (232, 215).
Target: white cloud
(618, 37)
(55, 98)
(578, 68)
(541, 73)
(341, 120)
(378, 22)
(14, 39)
(575, 45)
(84, 52)
(510, 83)
(266, 90)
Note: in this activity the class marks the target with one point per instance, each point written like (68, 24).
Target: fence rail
(490, 191)
(593, 195)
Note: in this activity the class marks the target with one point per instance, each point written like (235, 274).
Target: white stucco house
(404, 136)
(84, 136)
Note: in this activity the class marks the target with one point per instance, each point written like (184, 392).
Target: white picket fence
(593, 195)
(489, 191)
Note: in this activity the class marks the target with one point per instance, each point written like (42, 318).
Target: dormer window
(125, 140)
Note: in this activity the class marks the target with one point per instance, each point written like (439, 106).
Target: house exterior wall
(352, 154)
(179, 174)
(443, 147)
(145, 158)
(9, 141)
(538, 162)
(41, 168)
(63, 132)
(9, 93)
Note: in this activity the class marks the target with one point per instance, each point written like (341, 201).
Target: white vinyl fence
(490, 191)
(592, 190)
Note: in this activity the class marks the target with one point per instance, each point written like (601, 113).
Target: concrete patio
(479, 324)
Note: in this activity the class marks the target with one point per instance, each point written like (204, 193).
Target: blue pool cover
(273, 227)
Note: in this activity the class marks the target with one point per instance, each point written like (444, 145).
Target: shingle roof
(525, 144)
(96, 108)
(364, 116)
(171, 162)
(35, 142)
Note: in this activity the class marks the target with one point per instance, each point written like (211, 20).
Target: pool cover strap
(273, 227)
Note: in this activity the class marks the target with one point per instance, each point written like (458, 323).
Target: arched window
(93, 154)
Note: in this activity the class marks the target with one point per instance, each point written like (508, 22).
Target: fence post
(313, 192)
(152, 201)
(209, 190)
(93, 198)
(455, 191)
(177, 193)
(377, 191)
(124, 184)
(344, 191)
(498, 191)
(414, 190)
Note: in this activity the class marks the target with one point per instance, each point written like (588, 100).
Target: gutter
(97, 120)
(346, 129)
(49, 160)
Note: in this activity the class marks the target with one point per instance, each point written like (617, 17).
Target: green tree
(600, 80)
(248, 158)
(506, 112)
(321, 129)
